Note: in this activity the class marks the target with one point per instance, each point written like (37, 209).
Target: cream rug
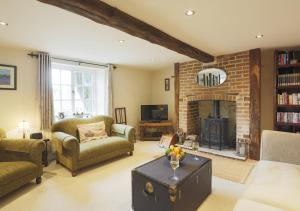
(107, 186)
(229, 168)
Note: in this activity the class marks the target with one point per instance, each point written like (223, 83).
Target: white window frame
(77, 69)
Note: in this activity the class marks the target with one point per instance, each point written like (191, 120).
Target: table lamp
(23, 126)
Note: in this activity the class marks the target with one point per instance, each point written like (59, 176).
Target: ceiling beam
(103, 13)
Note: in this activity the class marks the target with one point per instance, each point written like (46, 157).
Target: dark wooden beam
(255, 99)
(176, 85)
(103, 13)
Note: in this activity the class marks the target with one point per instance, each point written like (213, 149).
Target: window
(77, 90)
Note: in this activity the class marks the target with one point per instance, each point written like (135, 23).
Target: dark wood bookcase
(287, 90)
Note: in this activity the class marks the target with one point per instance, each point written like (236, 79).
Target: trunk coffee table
(153, 190)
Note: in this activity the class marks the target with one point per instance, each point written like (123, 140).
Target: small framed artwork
(8, 77)
(167, 140)
(167, 84)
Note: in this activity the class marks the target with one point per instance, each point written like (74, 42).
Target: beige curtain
(45, 87)
(109, 90)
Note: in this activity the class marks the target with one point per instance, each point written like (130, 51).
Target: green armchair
(20, 162)
(75, 155)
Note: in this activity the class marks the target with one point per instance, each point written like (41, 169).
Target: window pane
(79, 106)
(55, 76)
(77, 78)
(57, 108)
(88, 106)
(87, 78)
(66, 77)
(78, 95)
(66, 92)
(67, 107)
(56, 92)
(74, 90)
(88, 93)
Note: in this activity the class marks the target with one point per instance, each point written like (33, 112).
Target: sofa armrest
(22, 149)
(65, 141)
(280, 147)
(124, 131)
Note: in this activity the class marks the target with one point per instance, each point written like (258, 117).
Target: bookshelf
(287, 90)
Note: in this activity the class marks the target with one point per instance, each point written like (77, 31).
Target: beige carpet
(107, 187)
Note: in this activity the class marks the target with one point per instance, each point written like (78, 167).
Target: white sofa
(274, 184)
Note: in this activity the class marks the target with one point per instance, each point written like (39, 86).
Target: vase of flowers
(175, 152)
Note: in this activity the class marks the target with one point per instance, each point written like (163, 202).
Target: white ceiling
(218, 27)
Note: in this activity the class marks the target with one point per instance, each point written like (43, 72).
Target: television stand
(157, 130)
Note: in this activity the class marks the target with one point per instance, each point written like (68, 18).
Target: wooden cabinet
(154, 130)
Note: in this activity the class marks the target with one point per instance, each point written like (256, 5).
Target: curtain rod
(70, 60)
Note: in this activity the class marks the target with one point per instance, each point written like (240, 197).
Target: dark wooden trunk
(152, 190)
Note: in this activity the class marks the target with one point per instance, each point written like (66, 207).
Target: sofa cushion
(276, 184)
(102, 146)
(69, 126)
(90, 132)
(10, 171)
(248, 205)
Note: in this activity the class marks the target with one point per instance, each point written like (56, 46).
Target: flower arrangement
(175, 151)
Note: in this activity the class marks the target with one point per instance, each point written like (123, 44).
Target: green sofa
(20, 162)
(75, 155)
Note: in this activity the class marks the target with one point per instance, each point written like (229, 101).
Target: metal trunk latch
(149, 187)
(173, 193)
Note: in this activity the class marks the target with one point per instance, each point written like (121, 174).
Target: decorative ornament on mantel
(210, 77)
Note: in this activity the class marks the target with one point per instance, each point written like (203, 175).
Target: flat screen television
(154, 113)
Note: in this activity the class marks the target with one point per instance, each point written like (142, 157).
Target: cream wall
(159, 95)
(131, 88)
(267, 89)
(21, 104)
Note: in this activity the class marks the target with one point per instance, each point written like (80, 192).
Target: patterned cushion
(89, 132)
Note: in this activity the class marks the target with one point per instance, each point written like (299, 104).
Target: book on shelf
(288, 99)
(288, 117)
(283, 58)
(291, 79)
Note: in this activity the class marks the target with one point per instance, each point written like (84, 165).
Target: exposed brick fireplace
(236, 89)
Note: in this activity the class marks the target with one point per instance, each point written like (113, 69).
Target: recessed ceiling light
(190, 12)
(259, 36)
(3, 23)
(121, 41)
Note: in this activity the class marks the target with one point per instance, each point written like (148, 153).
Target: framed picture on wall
(8, 77)
(167, 84)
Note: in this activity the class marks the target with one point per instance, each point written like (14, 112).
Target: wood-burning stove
(216, 129)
